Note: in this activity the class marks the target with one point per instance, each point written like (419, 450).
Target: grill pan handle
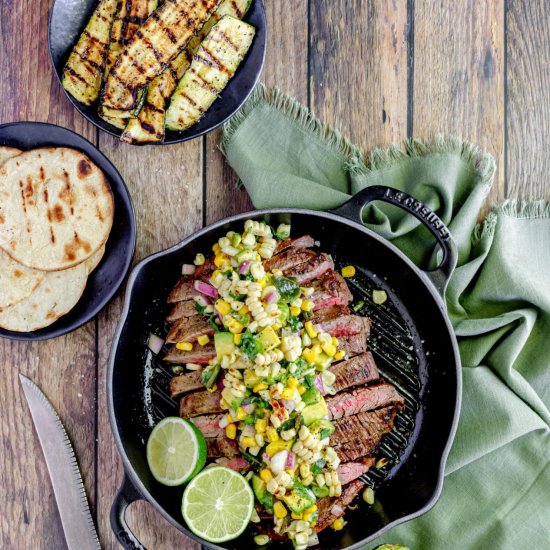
(125, 496)
(353, 209)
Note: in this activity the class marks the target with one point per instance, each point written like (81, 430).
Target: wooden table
(378, 70)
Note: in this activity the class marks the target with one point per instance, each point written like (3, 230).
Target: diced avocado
(262, 494)
(322, 361)
(227, 394)
(210, 375)
(223, 341)
(299, 499)
(311, 413)
(250, 378)
(320, 492)
(269, 339)
(323, 427)
(311, 396)
(246, 255)
(285, 313)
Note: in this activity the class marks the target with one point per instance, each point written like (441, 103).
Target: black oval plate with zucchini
(212, 63)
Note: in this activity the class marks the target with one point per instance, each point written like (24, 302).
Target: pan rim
(129, 470)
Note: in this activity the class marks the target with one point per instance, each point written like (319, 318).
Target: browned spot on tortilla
(45, 195)
(90, 190)
(52, 235)
(66, 194)
(71, 249)
(99, 213)
(17, 273)
(35, 306)
(42, 173)
(50, 315)
(57, 213)
(13, 244)
(83, 169)
(2, 220)
(29, 189)
(47, 290)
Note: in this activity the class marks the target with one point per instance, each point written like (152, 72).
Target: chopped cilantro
(317, 467)
(250, 345)
(295, 324)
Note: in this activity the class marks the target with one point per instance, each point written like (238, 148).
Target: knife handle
(125, 496)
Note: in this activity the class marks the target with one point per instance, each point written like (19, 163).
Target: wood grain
(459, 75)
(528, 83)
(358, 69)
(65, 368)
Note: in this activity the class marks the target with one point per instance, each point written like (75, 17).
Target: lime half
(217, 504)
(176, 451)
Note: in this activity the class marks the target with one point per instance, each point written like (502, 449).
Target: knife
(68, 488)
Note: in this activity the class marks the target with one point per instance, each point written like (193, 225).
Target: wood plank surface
(458, 75)
(528, 86)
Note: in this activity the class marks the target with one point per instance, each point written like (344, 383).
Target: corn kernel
(338, 525)
(234, 326)
(368, 495)
(224, 404)
(329, 349)
(276, 326)
(259, 387)
(277, 446)
(213, 388)
(203, 340)
(220, 259)
(231, 431)
(288, 393)
(263, 283)
(261, 540)
(295, 311)
(296, 516)
(266, 475)
(302, 390)
(241, 414)
(307, 305)
(290, 472)
(199, 259)
(279, 509)
(292, 383)
(317, 349)
(272, 434)
(340, 354)
(216, 248)
(230, 418)
(310, 329)
(348, 271)
(237, 338)
(309, 355)
(249, 442)
(335, 341)
(261, 425)
(244, 310)
(222, 307)
(184, 346)
(309, 512)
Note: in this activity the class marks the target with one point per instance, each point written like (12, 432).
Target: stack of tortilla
(56, 213)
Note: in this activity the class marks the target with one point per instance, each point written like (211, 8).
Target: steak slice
(187, 308)
(314, 268)
(199, 354)
(289, 258)
(209, 425)
(325, 505)
(204, 272)
(305, 241)
(189, 329)
(360, 435)
(201, 402)
(350, 471)
(357, 371)
(239, 464)
(330, 290)
(363, 399)
(185, 383)
(337, 321)
(184, 290)
(222, 447)
(354, 344)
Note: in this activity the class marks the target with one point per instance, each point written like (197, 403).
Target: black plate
(68, 19)
(106, 279)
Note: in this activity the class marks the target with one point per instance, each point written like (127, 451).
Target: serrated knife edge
(70, 494)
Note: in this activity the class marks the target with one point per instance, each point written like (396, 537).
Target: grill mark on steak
(356, 371)
(305, 241)
(289, 258)
(186, 308)
(363, 399)
(200, 355)
(185, 383)
(314, 268)
(222, 447)
(354, 344)
(360, 435)
(202, 402)
(326, 518)
(330, 290)
(189, 329)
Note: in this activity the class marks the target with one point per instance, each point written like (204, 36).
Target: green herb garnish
(209, 375)
(250, 345)
(295, 324)
(288, 289)
(358, 305)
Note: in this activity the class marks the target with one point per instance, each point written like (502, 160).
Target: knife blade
(78, 525)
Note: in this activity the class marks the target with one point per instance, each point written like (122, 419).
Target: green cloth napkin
(497, 488)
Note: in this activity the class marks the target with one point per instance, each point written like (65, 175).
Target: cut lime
(176, 451)
(217, 504)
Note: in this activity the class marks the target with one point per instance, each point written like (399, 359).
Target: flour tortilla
(56, 208)
(16, 281)
(56, 295)
(93, 261)
(7, 153)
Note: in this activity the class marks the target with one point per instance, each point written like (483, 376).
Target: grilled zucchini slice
(148, 127)
(83, 70)
(214, 64)
(130, 16)
(156, 43)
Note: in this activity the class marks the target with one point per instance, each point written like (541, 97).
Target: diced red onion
(271, 297)
(278, 462)
(219, 316)
(202, 300)
(337, 511)
(290, 461)
(155, 343)
(187, 269)
(249, 407)
(266, 457)
(244, 266)
(313, 540)
(319, 384)
(205, 288)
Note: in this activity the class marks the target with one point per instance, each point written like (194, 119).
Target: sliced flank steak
(330, 290)
(189, 329)
(239, 464)
(305, 241)
(180, 310)
(184, 383)
(209, 425)
(337, 321)
(222, 447)
(202, 402)
(350, 471)
(199, 354)
(354, 344)
(308, 271)
(360, 435)
(357, 371)
(367, 398)
(184, 290)
(289, 258)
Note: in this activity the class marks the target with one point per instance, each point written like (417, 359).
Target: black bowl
(106, 279)
(68, 19)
